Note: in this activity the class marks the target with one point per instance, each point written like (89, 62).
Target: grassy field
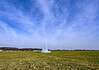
(56, 60)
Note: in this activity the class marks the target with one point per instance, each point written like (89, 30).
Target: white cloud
(77, 35)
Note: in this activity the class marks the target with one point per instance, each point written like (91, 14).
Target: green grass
(56, 60)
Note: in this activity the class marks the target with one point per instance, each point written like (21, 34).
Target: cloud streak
(63, 24)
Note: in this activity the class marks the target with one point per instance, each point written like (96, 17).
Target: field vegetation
(56, 60)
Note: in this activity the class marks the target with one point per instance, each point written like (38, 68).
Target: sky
(56, 24)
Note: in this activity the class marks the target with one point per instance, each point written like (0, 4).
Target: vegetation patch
(56, 60)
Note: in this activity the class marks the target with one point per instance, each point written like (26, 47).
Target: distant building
(1, 50)
(45, 50)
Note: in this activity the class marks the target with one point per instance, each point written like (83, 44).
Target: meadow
(56, 60)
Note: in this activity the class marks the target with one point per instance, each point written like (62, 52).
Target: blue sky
(57, 24)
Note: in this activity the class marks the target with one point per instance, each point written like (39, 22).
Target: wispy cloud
(62, 25)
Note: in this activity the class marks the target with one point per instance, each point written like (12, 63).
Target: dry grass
(56, 60)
